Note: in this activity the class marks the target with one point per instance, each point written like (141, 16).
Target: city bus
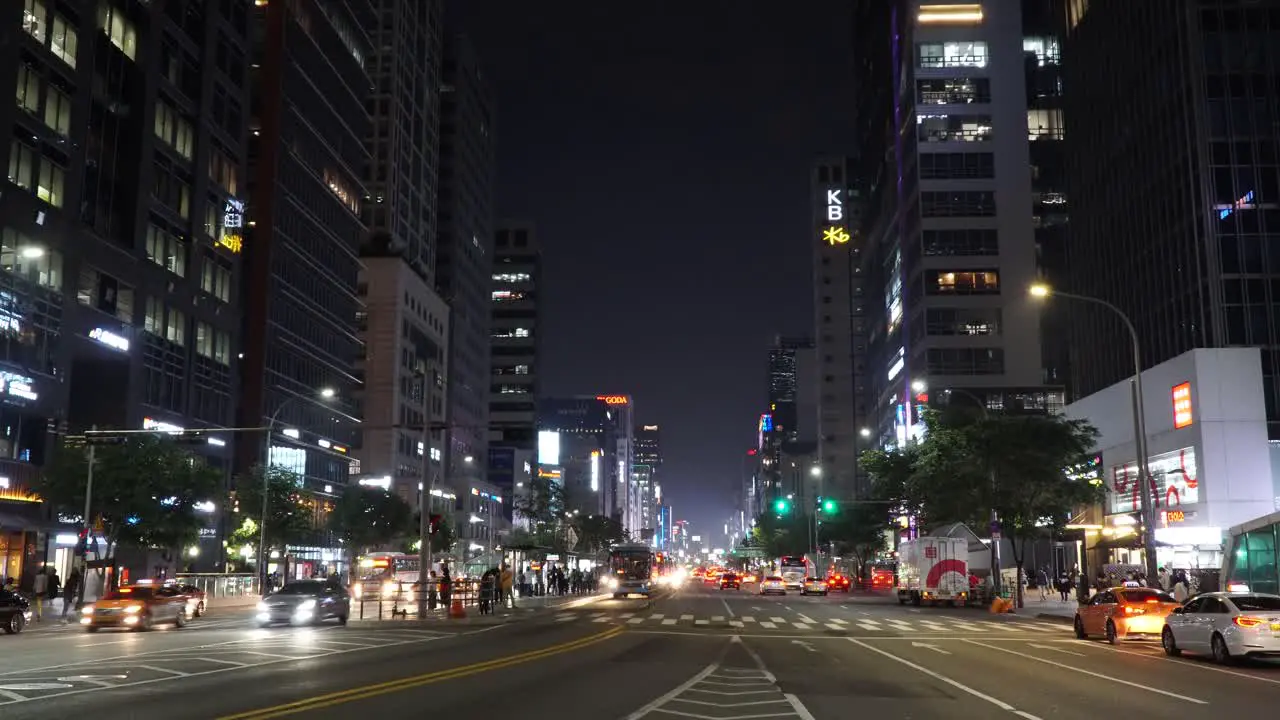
(630, 569)
(385, 572)
(793, 569)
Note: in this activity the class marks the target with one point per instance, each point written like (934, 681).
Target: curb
(1057, 618)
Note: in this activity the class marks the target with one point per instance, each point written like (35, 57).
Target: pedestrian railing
(388, 599)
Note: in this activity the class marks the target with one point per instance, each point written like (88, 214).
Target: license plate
(1275, 627)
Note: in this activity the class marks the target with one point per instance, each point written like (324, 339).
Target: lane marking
(717, 618)
(777, 619)
(1180, 661)
(802, 626)
(13, 696)
(766, 624)
(1090, 673)
(737, 623)
(943, 678)
(748, 618)
(672, 694)
(669, 621)
(872, 628)
(727, 608)
(807, 619)
(798, 707)
(657, 616)
(599, 619)
(930, 646)
(635, 621)
(1057, 650)
(835, 626)
(699, 622)
(369, 691)
(686, 617)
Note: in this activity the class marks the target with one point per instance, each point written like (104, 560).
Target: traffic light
(782, 505)
(828, 505)
(433, 524)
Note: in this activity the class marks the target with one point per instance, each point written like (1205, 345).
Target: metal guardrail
(223, 585)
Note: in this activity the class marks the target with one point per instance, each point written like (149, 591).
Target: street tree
(1018, 465)
(543, 504)
(858, 530)
(291, 516)
(596, 533)
(368, 517)
(146, 490)
(782, 534)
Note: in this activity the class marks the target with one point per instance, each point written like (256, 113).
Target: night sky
(663, 150)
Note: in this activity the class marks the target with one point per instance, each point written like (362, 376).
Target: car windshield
(1139, 596)
(303, 588)
(142, 593)
(1257, 603)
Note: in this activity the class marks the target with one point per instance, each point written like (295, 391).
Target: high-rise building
(585, 451)
(307, 147)
(948, 238)
(405, 329)
(839, 324)
(786, 391)
(122, 225)
(513, 391)
(405, 63)
(464, 262)
(648, 469)
(630, 484)
(1176, 226)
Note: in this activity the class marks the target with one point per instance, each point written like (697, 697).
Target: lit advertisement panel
(548, 447)
(1182, 413)
(1177, 483)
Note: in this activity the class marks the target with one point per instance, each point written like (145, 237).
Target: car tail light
(1245, 621)
(1131, 610)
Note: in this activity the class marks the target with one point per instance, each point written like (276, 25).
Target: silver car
(305, 602)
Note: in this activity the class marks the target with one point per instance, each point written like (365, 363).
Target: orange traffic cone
(456, 610)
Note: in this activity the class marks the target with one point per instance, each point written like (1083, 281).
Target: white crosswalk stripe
(913, 626)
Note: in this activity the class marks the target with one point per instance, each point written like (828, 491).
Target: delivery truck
(933, 570)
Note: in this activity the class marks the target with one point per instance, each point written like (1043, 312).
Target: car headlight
(306, 605)
(262, 607)
(87, 610)
(133, 610)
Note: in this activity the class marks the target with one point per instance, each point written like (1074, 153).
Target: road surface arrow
(934, 648)
(804, 645)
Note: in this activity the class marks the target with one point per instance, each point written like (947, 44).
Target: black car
(730, 581)
(15, 612)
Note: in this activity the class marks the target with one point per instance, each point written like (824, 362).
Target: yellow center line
(368, 691)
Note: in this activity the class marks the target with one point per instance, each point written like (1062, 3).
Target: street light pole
(326, 394)
(88, 526)
(1146, 508)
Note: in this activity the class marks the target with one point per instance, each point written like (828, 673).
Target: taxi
(141, 606)
(1123, 613)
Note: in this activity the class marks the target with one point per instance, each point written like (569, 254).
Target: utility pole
(424, 503)
(88, 526)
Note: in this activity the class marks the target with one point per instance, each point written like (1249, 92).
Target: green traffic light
(781, 505)
(828, 505)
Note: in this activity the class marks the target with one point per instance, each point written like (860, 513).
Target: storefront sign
(835, 235)
(110, 339)
(1182, 414)
(1174, 477)
(1175, 516)
(19, 386)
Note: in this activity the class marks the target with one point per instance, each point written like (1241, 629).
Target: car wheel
(1079, 628)
(342, 619)
(91, 628)
(1113, 637)
(199, 610)
(1221, 654)
(15, 624)
(1168, 643)
(180, 621)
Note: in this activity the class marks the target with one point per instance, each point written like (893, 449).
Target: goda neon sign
(613, 399)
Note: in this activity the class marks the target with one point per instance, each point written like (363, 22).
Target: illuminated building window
(953, 128)
(166, 250)
(962, 282)
(952, 54)
(342, 189)
(953, 91)
(118, 30)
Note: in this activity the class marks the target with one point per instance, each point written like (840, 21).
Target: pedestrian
(53, 588)
(69, 591)
(504, 584)
(1042, 583)
(1181, 587)
(432, 588)
(39, 587)
(446, 586)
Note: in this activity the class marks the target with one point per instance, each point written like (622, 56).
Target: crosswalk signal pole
(88, 526)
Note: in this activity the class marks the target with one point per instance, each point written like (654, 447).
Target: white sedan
(1225, 625)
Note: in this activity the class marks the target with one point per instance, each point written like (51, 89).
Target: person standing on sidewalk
(69, 591)
(39, 588)
(505, 581)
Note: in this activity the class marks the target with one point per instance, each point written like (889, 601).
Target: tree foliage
(782, 534)
(1017, 464)
(368, 517)
(290, 519)
(544, 503)
(145, 490)
(858, 529)
(597, 533)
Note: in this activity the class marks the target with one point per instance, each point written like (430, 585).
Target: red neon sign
(1182, 414)
(613, 399)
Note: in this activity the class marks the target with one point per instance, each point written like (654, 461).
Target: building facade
(949, 231)
(405, 329)
(121, 222)
(648, 468)
(302, 342)
(578, 439)
(513, 388)
(1175, 226)
(464, 262)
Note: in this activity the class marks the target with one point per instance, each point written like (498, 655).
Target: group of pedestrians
(46, 590)
(496, 586)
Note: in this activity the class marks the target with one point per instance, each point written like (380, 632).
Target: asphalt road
(698, 653)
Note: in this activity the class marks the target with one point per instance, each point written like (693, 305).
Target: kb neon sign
(835, 206)
(613, 399)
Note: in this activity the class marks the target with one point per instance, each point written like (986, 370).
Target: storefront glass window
(1260, 559)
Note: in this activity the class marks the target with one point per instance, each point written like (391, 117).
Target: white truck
(933, 570)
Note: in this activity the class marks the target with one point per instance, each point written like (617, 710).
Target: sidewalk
(1051, 609)
(525, 607)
